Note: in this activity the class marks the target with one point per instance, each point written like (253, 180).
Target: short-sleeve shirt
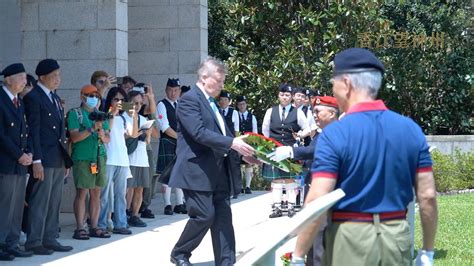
(86, 149)
(374, 154)
(139, 157)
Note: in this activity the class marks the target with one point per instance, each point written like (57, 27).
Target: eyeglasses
(92, 95)
(118, 99)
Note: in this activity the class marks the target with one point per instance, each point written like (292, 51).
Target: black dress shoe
(168, 210)
(40, 250)
(4, 256)
(148, 214)
(248, 190)
(58, 247)
(180, 262)
(180, 209)
(17, 252)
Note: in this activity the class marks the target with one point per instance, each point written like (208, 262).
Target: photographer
(88, 132)
(139, 167)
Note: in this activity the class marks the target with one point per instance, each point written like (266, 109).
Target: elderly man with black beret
(379, 159)
(45, 116)
(15, 157)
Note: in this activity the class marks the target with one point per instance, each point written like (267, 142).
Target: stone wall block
(149, 2)
(153, 63)
(29, 16)
(121, 44)
(159, 17)
(68, 44)
(77, 15)
(33, 45)
(189, 16)
(189, 62)
(77, 73)
(185, 39)
(149, 40)
(103, 44)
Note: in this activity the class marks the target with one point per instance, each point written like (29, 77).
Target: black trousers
(208, 210)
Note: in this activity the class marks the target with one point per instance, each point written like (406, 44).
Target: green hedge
(451, 172)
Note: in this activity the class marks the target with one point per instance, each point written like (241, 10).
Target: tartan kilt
(166, 153)
(271, 172)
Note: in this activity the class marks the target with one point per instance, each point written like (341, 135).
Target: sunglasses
(92, 95)
(100, 81)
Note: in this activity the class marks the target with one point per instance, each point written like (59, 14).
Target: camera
(99, 116)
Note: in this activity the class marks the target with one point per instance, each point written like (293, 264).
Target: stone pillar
(10, 40)
(83, 36)
(167, 38)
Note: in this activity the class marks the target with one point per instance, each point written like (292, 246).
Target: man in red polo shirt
(379, 158)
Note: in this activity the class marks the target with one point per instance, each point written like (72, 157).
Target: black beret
(225, 94)
(285, 87)
(13, 69)
(172, 83)
(241, 98)
(356, 60)
(298, 90)
(46, 66)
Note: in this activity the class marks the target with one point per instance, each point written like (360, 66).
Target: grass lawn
(455, 237)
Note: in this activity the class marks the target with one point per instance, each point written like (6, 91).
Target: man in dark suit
(15, 156)
(201, 168)
(45, 117)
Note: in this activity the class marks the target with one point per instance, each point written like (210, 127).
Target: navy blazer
(201, 151)
(306, 153)
(47, 127)
(14, 137)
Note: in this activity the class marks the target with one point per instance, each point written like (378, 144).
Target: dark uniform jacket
(47, 128)
(14, 137)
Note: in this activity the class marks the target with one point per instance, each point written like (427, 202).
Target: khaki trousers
(378, 243)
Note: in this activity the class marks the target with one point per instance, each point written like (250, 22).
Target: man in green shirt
(89, 155)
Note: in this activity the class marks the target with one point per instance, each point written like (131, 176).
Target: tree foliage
(266, 43)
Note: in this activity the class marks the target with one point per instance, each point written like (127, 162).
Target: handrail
(264, 252)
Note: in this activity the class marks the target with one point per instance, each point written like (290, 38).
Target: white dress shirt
(301, 119)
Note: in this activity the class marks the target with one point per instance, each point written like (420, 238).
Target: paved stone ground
(152, 245)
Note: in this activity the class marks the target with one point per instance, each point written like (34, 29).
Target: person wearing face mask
(88, 154)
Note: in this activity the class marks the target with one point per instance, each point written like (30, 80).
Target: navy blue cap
(46, 66)
(285, 87)
(356, 60)
(225, 94)
(13, 69)
(241, 98)
(172, 83)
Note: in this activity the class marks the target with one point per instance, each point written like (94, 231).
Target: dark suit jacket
(306, 153)
(47, 130)
(14, 137)
(201, 148)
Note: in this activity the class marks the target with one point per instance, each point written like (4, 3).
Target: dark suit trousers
(43, 208)
(208, 210)
(12, 196)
